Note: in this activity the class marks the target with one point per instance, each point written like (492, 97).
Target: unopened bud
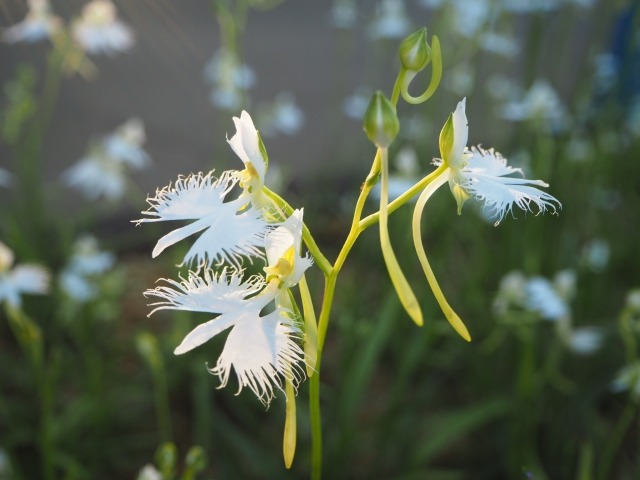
(380, 121)
(415, 53)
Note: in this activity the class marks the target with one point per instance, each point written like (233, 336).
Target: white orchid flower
(98, 30)
(39, 24)
(125, 144)
(230, 229)
(247, 144)
(20, 279)
(485, 176)
(261, 349)
(283, 247)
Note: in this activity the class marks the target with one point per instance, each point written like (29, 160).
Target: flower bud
(380, 121)
(415, 53)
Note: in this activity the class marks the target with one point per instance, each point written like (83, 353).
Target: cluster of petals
(98, 30)
(263, 344)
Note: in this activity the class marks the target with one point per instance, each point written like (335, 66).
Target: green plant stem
(615, 439)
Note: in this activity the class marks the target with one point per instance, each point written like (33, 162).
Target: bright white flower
(86, 263)
(544, 299)
(246, 143)
(32, 279)
(125, 144)
(149, 472)
(229, 79)
(230, 230)
(283, 247)
(485, 176)
(261, 349)
(99, 31)
(39, 24)
(391, 20)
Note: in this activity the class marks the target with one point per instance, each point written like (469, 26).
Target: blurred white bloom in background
(229, 79)
(355, 105)
(628, 379)
(511, 292)
(500, 87)
(606, 72)
(541, 103)
(391, 21)
(282, 116)
(28, 278)
(126, 144)
(103, 172)
(596, 254)
(530, 6)
(499, 44)
(585, 340)
(5, 465)
(149, 472)
(39, 24)
(564, 283)
(5, 178)
(579, 149)
(462, 79)
(543, 298)
(633, 300)
(86, 264)
(343, 13)
(99, 31)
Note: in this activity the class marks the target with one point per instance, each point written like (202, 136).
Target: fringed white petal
(228, 235)
(212, 292)
(262, 351)
(485, 178)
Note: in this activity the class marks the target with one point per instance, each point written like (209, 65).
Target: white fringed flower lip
(485, 176)
(262, 349)
(21, 279)
(230, 230)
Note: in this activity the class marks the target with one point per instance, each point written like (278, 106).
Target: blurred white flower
(355, 105)
(595, 254)
(125, 144)
(149, 472)
(511, 292)
(229, 79)
(499, 44)
(462, 79)
(530, 6)
(5, 178)
(282, 116)
(99, 30)
(391, 21)
(628, 379)
(343, 13)
(606, 72)
(585, 340)
(103, 172)
(262, 349)
(579, 149)
(544, 299)
(633, 300)
(485, 176)
(86, 264)
(564, 283)
(470, 16)
(500, 87)
(541, 103)
(39, 24)
(21, 279)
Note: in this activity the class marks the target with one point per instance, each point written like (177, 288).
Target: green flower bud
(380, 121)
(415, 53)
